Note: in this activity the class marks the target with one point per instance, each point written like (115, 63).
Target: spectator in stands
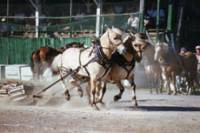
(152, 13)
(19, 16)
(112, 16)
(132, 23)
(183, 50)
(79, 15)
(3, 28)
(118, 8)
(198, 56)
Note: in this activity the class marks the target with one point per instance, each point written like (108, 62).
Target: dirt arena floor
(156, 113)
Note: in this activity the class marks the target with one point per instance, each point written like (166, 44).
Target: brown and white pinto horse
(174, 65)
(42, 58)
(90, 63)
(123, 66)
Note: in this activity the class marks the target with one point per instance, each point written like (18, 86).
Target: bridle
(111, 42)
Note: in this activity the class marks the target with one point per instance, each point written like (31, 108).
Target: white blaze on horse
(123, 66)
(93, 63)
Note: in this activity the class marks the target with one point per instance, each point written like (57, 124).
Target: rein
(99, 57)
(121, 60)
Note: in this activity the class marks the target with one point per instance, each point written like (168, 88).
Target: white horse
(91, 63)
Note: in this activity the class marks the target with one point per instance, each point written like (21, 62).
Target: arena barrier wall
(19, 50)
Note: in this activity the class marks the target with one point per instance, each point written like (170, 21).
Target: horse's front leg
(156, 82)
(93, 92)
(103, 92)
(148, 73)
(121, 90)
(133, 86)
(88, 89)
(168, 82)
(174, 83)
(189, 86)
(161, 82)
(98, 89)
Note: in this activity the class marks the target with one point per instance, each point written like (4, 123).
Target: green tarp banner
(19, 50)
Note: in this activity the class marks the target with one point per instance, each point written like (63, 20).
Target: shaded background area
(189, 32)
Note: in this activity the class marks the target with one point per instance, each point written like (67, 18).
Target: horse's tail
(55, 64)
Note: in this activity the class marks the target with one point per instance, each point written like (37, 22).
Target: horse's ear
(126, 38)
(133, 37)
(108, 29)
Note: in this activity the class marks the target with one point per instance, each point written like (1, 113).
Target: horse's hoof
(175, 93)
(37, 96)
(168, 92)
(157, 92)
(116, 98)
(95, 106)
(81, 93)
(135, 103)
(97, 100)
(100, 101)
(98, 94)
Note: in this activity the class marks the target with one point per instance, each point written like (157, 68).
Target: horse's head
(135, 45)
(161, 48)
(112, 38)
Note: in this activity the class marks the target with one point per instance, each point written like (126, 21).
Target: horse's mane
(120, 59)
(128, 46)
